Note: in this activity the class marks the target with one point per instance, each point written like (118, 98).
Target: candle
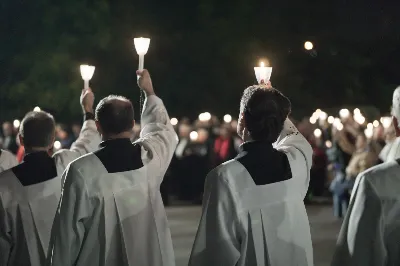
(87, 74)
(263, 74)
(141, 46)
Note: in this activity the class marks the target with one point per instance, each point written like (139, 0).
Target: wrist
(87, 110)
(88, 116)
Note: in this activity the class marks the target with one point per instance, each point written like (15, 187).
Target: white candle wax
(86, 83)
(263, 74)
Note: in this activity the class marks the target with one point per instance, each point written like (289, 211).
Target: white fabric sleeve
(68, 230)
(361, 242)
(157, 135)
(7, 160)
(5, 236)
(88, 141)
(216, 242)
(299, 152)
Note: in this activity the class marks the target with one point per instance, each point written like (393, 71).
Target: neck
(122, 135)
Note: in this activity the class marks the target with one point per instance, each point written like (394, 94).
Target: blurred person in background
(253, 211)
(370, 232)
(31, 190)
(7, 160)
(223, 147)
(63, 136)
(180, 161)
(76, 130)
(318, 172)
(9, 138)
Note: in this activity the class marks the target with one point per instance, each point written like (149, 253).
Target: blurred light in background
(194, 135)
(308, 45)
(328, 144)
(376, 123)
(57, 145)
(227, 118)
(37, 109)
(174, 121)
(386, 121)
(16, 123)
(331, 119)
(317, 133)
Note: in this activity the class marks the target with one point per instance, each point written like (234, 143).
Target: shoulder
(227, 172)
(8, 182)
(384, 178)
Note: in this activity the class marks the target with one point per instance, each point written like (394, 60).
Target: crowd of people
(343, 147)
(96, 196)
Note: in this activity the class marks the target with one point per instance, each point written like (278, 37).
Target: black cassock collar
(265, 164)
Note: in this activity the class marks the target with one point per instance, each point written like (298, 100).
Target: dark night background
(202, 52)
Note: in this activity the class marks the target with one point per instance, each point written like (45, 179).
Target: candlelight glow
(308, 45)
(262, 64)
(194, 135)
(141, 45)
(16, 123)
(317, 133)
(328, 144)
(376, 123)
(386, 121)
(87, 72)
(204, 116)
(331, 119)
(359, 119)
(227, 118)
(344, 113)
(323, 116)
(174, 121)
(57, 145)
(37, 109)
(339, 126)
(357, 111)
(313, 120)
(370, 125)
(369, 132)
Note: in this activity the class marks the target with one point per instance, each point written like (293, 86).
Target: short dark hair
(265, 111)
(37, 129)
(115, 115)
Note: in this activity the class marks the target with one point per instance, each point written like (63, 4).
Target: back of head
(37, 130)
(115, 115)
(265, 111)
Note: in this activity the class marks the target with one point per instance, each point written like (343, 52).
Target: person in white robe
(30, 191)
(111, 211)
(7, 160)
(253, 210)
(370, 233)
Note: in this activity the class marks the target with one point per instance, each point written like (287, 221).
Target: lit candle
(87, 74)
(263, 74)
(141, 46)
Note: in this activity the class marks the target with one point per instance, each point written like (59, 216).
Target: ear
(133, 124)
(52, 142)
(396, 126)
(99, 127)
(21, 140)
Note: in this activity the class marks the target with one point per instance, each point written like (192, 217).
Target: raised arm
(360, 242)
(67, 234)
(157, 135)
(89, 138)
(299, 151)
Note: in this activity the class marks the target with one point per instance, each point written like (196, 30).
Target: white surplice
(7, 160)
(27, 212)
(248, 225)
(108, 219)
(394, 150)
(370, 233)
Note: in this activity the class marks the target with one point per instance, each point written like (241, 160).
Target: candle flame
(262, 64)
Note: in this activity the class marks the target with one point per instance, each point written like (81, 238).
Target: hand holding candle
(87, 74)
(263, 74)
(141, 46)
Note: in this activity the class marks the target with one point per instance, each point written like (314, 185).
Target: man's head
(114, 117)
(37, 131)
(7, 129)
(263, 112)
(396, 111)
